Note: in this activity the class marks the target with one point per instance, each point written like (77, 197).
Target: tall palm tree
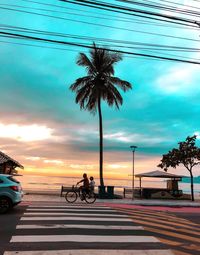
(99, 84)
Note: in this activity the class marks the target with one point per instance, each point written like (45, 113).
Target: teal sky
(43, 128)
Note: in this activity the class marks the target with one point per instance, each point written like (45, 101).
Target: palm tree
(99, 84)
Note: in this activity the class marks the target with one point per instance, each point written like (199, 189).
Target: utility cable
(101, 4)
(100, 25)
(32, 38)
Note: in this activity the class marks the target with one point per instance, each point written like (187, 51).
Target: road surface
(58, 228)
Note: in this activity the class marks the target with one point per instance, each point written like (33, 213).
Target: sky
(43, 128)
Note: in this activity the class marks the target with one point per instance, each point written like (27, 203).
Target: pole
(133, 147)
(133, 180)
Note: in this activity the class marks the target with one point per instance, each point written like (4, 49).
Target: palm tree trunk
(100, 143)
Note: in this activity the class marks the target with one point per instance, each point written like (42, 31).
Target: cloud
(53, 161)
(33, 158)
(81, 166)
(25, 133)
(136, 138)
(197, 133)
(117, 166)
(178, 80)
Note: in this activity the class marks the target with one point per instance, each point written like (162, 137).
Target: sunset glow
(43, 128)
(25, 133)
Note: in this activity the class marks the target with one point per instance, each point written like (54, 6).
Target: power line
(122, 43)
(64, 12)
(181, 4)
(130, 11)
(37, 46)
(72, 50)
(100, 25)
(154, 5)
(170, 2)
(111, 15)
(127, 45)
(104, 17)
(33, 38)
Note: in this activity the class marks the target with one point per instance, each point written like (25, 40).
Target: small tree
(187, 154)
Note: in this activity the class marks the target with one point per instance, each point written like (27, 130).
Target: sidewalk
(55, 197)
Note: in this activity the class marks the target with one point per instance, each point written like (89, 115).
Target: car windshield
(13, 179)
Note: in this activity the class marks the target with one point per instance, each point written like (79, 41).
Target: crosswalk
(57, 229)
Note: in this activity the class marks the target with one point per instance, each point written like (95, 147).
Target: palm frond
(124, 85)
(111, 95)
(97, 58)
(100, 81)
(80, 82)
(84, 61)
(93, 100)
(104, 60)
(82, 96)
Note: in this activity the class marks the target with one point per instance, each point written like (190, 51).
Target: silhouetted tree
(99, 84)
(187, 154)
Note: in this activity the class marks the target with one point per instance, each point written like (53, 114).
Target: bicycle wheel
(71, 196)
(90, 198)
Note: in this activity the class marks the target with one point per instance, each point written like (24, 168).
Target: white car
(10, 192)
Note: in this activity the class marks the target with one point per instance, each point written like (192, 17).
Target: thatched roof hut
(7, 164)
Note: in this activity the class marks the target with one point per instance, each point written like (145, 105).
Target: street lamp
(133, 147)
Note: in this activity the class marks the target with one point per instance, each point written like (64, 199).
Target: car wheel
(5, 204)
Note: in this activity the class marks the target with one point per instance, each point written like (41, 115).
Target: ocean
(47, 183)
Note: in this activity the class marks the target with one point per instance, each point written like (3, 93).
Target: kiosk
(169, 192)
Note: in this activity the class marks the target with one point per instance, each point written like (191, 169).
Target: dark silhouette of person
(85, 187)
(92, 184)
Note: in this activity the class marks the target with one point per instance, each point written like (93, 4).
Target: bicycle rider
(85, 187)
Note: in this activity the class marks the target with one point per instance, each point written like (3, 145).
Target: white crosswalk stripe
(79, 226)
(93, 252)
(66, 210)
(82, 238)
(73, 229)
(74, 218)
(72, 214)
(80, 207)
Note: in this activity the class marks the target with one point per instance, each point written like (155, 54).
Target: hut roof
(5, 158)
(159, 174)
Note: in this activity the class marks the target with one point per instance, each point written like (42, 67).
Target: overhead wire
(33, 38)
(98, 39)
(100, 25)
(162, 7)
(64, 12)
(109, 15)
(104, 17)
(38, 46)
(117, 43)
(97, 2)
(174, 3)
(72, 50)
(107, 42)
(130, 11)
(141, 16)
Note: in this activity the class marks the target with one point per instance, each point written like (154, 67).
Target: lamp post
(133, 147)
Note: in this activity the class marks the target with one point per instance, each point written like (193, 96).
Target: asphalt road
(8, 224)
(179, 230)
(193, 217)
(145, 229)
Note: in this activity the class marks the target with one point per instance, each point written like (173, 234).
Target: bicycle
(72, 195)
